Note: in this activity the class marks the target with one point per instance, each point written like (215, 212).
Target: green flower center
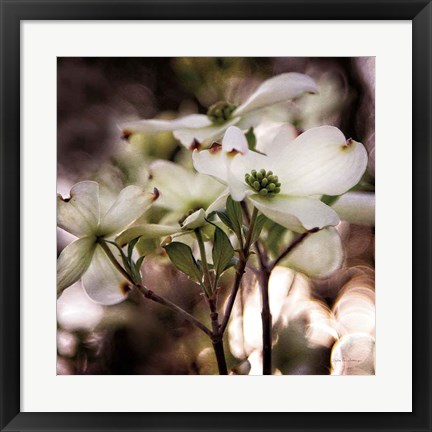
(263, 182)
(220, 112)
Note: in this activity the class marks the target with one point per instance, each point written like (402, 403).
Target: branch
(163, 301)
(151, 295)
(244, 255)
(289, 249)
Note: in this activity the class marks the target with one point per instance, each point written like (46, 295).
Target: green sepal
(137, 269)
(131, 246)
(139, 262)
(127, 264)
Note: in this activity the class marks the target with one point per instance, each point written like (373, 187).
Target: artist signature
(346, 360)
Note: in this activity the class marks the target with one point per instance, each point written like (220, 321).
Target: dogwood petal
(102, 282)
(204, 190)
(173, 181)
(219, 203)
(195, 220)
(277, 89)
(238, 189)
(356, 207)
(298, 214)
(145, 232)
(157, 125)
(212, 162)
(283, 136)
(321, 161)
(252, 119)
(131, 203)
(204, 135)
(79, 214)
(73, 261)
(318, 255)
(234, 141)
(272, 137)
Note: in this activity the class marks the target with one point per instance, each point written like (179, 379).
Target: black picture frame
(13, 11)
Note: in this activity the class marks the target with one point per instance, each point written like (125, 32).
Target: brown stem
(244, 255)
(207, 281)
(232, 297)
(289, 249)
(220, 356)
(150, 294)
(114, 261)
(163, 301)
(250, 231)
(217, 339)
(266, 318)
(262, 256)
(245, 212)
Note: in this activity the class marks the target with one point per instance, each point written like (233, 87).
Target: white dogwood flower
(92, 220)
(197, 129)
(183, 191)
(286, 184)
(189, 197)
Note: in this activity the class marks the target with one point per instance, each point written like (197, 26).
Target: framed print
(198, 183)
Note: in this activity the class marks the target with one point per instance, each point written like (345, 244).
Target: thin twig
(245, 212)
(151, 295)
(289, 249)
(232, 297)
(207, 281)
(240, 271)
(114, 261)
(163, 301)
(250, 231)
(262, 256)
(260, 253)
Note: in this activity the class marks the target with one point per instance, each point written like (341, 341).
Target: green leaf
(233, 262)
(225, 219)
(222, 251)
(234, 213)
(209, 265)
(259, 225)
(251, 138)
(181, 256)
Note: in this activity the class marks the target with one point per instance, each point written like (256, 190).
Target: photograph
(216, 216)
(198, 182)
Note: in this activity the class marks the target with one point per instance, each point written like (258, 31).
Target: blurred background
(322, 324)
